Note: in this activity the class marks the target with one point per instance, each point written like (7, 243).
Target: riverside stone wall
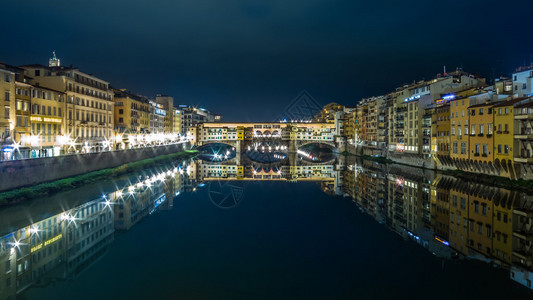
(19, 173)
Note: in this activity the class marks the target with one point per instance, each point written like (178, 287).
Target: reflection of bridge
(239, 135)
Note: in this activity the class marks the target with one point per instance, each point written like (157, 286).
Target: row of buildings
(453, 121)
(46, 107)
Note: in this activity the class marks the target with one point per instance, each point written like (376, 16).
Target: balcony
(524, 136)
(524, 160)
(526, 116)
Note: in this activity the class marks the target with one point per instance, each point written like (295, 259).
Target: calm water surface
(344, 234)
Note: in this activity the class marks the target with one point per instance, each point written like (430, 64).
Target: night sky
(249, 59)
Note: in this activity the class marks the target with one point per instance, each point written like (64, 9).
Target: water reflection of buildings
(449, 217)
(328, 175)
(60, 246)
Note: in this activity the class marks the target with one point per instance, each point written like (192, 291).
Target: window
(473, 131)
(121, 111)
(481, 128)
(499, 149)
(7, 96)
(455, 147)
(463, 204)
(489, 128)
(463, 147)
(506, 148)
(6, 112)
(473, 112)
(481, 111)
(485, 149)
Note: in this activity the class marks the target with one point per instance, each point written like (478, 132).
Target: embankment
(20, 173)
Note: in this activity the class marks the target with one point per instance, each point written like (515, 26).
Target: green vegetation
(61, 185)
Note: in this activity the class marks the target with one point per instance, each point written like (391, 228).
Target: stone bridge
(241, 134)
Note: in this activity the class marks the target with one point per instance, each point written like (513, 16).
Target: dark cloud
(249, 59)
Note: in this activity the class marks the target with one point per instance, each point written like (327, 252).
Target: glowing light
(34, 230)
(16, 145)
(442, 241)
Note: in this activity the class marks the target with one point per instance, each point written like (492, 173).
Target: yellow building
(7, 98)
(504, 141)
(131, 112)
(481, 146)
(47, 121)
(22, 111)
(443, 132)
(89, 102)
(459, 137)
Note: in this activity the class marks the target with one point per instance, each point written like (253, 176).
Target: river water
(342, 229)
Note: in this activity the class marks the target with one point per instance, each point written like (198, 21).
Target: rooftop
(511, 102)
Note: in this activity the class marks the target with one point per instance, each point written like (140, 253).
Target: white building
(522, 81)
